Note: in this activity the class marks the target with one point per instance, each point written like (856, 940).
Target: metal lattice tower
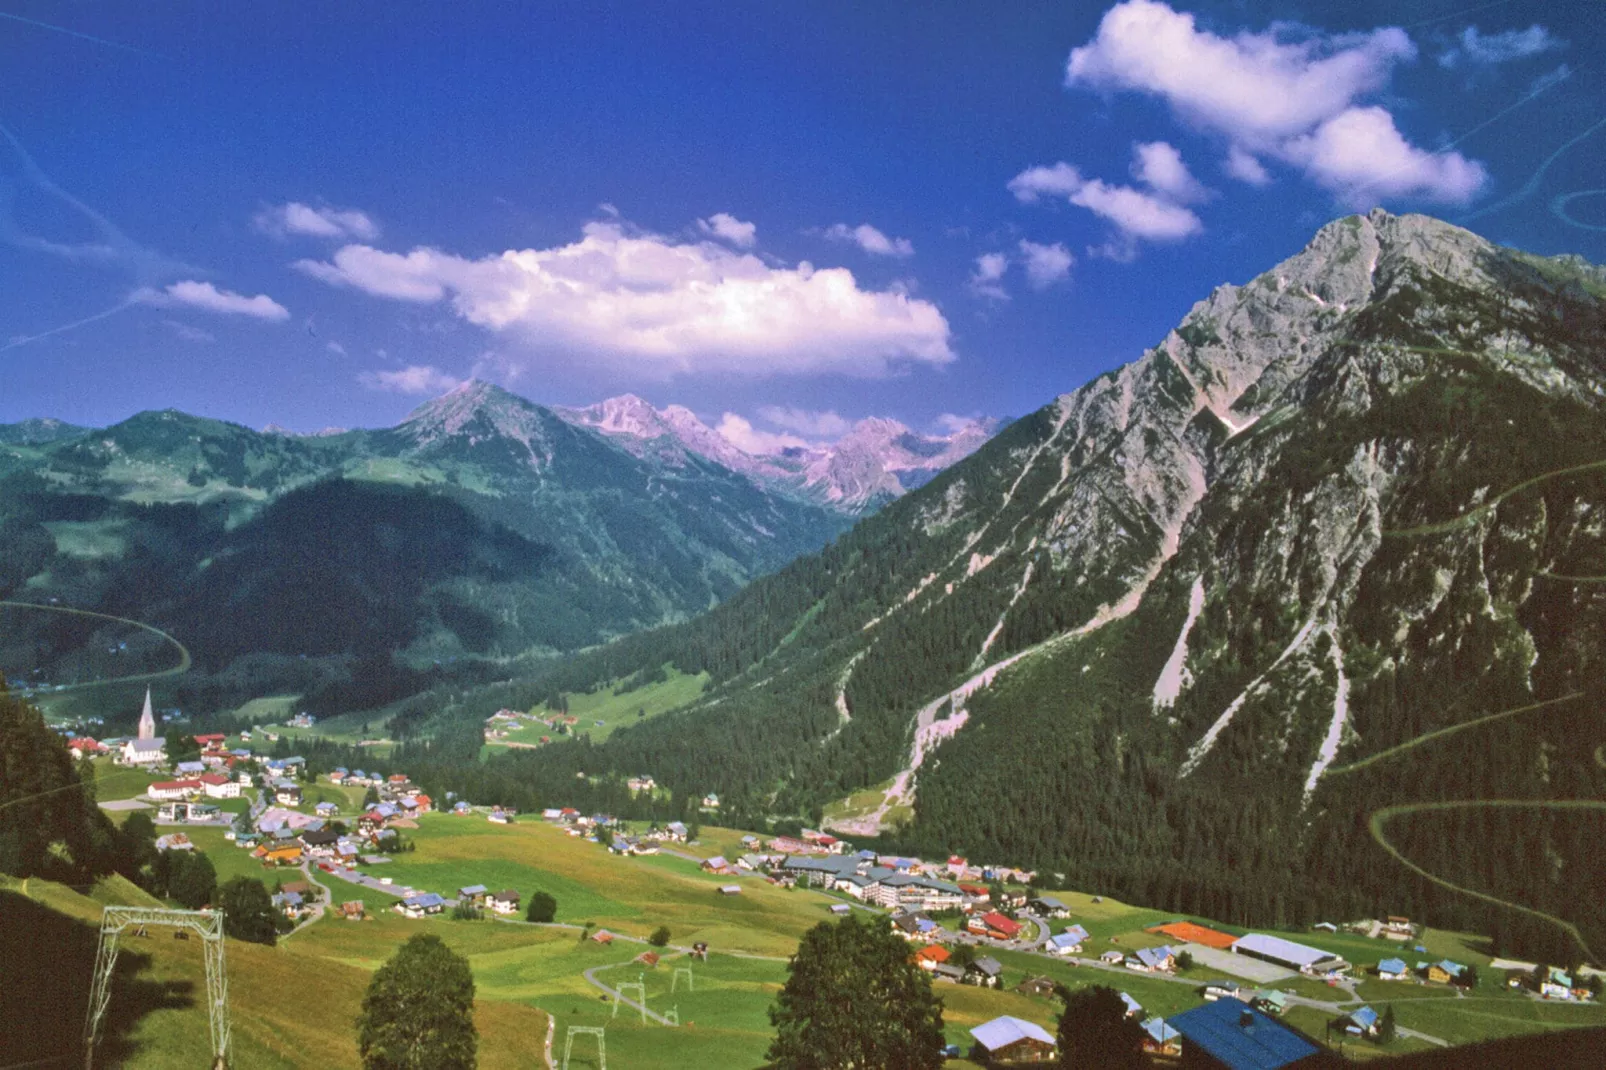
(675, 982)
(640, 989)
(208, 924)
(586, 1030)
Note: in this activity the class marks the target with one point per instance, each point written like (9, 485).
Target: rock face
(1357, 499)
(878, 460)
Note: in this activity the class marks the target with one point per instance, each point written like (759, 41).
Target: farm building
(1280, 952)
(1226, 1035)
(1011, 1041)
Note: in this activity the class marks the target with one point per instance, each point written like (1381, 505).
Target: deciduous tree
(419, 1010)
(247, 910)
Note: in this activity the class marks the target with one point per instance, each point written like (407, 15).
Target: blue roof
(1366, 1017)
(1153, 957)
(1132, 1005)
(1452, 968)
(1001, 1032)
(1160, 1030)
(1077, 931)
(1240, 1037)
(1391, 966)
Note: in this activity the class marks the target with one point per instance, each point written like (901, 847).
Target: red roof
(979, 890)
(214, 778)
(84, 743)
(936, 953)
(998, 923)
(176, 785)
(214, 737)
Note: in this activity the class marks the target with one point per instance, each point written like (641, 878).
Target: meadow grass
(616, 709)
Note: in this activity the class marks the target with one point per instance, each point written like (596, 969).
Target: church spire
(147, 719)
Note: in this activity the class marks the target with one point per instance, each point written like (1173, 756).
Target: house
(1133, 1007)
(353, 910)
(1152, 960)
(474, 893)
(1274, 949)
(710, 801)
(1392, 970)
(505, 902)
(942, 971)
(418, 906)
(1049, 907)
(929, 957)
(84, 747)
(1066, 943)
(1113, 958)
(189, 769)
(320, 843)
(985, 971)
(174, 841)
(1361, 1022)
(286, 793)
(1226, 1035)
(1036, 986)
(638, 784)
(1009, 1041)
(1445, 972)
(1556, 985)
(994, 925)
(144, 751)
(499, 816)
(286, 855)
(717, 864)
(1270, 1001)
(218, 786)
(841, 910)
(326, 810)
(648, 958)
(676, 831)
(174, 789)
(461, 809)
(291, 903)
(1215, 990)
(1159, 1038)
(602, 936)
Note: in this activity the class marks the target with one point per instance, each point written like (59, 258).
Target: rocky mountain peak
(476, 412)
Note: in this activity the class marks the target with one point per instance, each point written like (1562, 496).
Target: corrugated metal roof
(1281, 950)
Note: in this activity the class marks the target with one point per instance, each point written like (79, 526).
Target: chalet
(320, 843)
(994, 925)
(423, 803)
(190, 769)
(474, 894)
(1113, 958)
(1036, 986)
(174, 789)
(144, 751)
(371, 822)
(985, 971)
(499, 816)
(1152, 960)
(1215, 990)
(1049, 907)
(352, 910)
(1270, 1001)
(638, 784)
(942, 971)
(1008, 1041)
(1274, 949)
(1068, 942)
(1133, 1007)
(174, 841)
(1398, 927)
(84, 747)
(1159, 1038)
(326, 810)
(675, 831)
(710, 801)
(1361, 1022)
(978, 892)
(505, 902)
(338, 775)
(648, 959)
(1445, 972)
(1229, 1036)
(753, 863)
(931, 956)
(218, 786)
(602, 936)
(717, 864)
(418, 906)
(1392, 970)
(290, 903)
(461, 809)
(279, 855)
(286, 793)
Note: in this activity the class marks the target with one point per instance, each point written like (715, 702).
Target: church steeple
(147, 719)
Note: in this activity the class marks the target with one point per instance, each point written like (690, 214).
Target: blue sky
(315, 215)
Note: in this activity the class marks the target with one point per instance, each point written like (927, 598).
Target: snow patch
(1175, 676)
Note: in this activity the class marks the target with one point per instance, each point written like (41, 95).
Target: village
(962, 920)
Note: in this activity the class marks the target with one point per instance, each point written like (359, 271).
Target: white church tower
(147, 719)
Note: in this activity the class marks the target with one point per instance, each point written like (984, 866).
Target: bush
(659, 937)
(543, 908)
(466, 911)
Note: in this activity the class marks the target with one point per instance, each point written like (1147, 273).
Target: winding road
(184, 660)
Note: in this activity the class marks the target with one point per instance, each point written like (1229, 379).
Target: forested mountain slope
(349, 566)
(1191, 633)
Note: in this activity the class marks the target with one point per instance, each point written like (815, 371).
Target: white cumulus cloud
(415, 379)
(870, 240)
(1159, 166)
(661, 306)
(297, 218)
(728, 228)
(740, 432)
(1475, 47)
(1290, 92)
(205, 296)
(1361, 157)
(1045, 264)
(814, 424)
(987, 278)
(1149, 215)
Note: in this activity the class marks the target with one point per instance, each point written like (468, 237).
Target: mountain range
(354, 566)
(1301, 614)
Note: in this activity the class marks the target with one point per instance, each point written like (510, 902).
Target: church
(147, 748)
